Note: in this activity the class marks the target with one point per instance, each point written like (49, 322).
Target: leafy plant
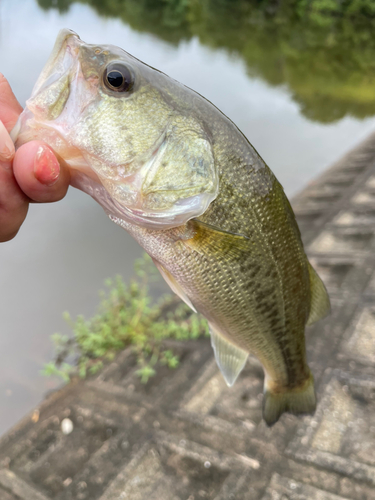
(127, 316)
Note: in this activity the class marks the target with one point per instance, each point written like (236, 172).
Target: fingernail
(6, 144)
(46, 166)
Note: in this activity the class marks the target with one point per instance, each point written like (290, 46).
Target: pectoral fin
(319, 304)
(210, 240)
(230, 358)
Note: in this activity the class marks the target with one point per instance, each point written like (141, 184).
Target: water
(64, 251)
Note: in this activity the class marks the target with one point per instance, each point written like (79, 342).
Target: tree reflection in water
(323, 51)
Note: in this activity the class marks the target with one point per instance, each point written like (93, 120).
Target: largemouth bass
(178, 175)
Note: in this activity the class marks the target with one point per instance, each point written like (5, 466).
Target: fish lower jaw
(177, 215)
(131, 203)
(124, 216)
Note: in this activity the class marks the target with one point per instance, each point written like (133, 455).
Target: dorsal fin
(229, 358)
(319, 302)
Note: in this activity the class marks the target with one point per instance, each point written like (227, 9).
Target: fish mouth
(52, 90)
(61, 60)
(59, 96)
(61, 92)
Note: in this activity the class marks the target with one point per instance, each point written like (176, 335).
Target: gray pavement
(186, 436)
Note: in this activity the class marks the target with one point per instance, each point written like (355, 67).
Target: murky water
(64, 252)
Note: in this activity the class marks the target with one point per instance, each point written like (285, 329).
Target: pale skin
(32, 174)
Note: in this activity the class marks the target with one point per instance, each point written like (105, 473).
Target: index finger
(10, 108)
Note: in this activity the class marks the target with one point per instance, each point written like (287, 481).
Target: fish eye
(118, 77)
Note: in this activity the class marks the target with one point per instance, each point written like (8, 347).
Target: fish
(178, 175)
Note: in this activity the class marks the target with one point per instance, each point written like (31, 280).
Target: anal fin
(229, 358)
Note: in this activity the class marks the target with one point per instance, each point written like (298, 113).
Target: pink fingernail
(46, 166)
(6, 145)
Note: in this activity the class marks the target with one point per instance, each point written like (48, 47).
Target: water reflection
(323, 51)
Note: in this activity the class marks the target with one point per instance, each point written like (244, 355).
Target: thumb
(39, 173)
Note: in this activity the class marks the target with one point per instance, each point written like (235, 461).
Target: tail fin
(299, 401)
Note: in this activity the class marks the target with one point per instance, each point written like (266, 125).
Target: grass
(127, 317)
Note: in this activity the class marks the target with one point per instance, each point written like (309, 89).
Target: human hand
(32, 174)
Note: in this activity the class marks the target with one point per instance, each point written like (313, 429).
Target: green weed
(127, 316)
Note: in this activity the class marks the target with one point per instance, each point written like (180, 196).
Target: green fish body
(180, 177)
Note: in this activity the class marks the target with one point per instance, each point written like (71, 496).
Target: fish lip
(63, 55)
